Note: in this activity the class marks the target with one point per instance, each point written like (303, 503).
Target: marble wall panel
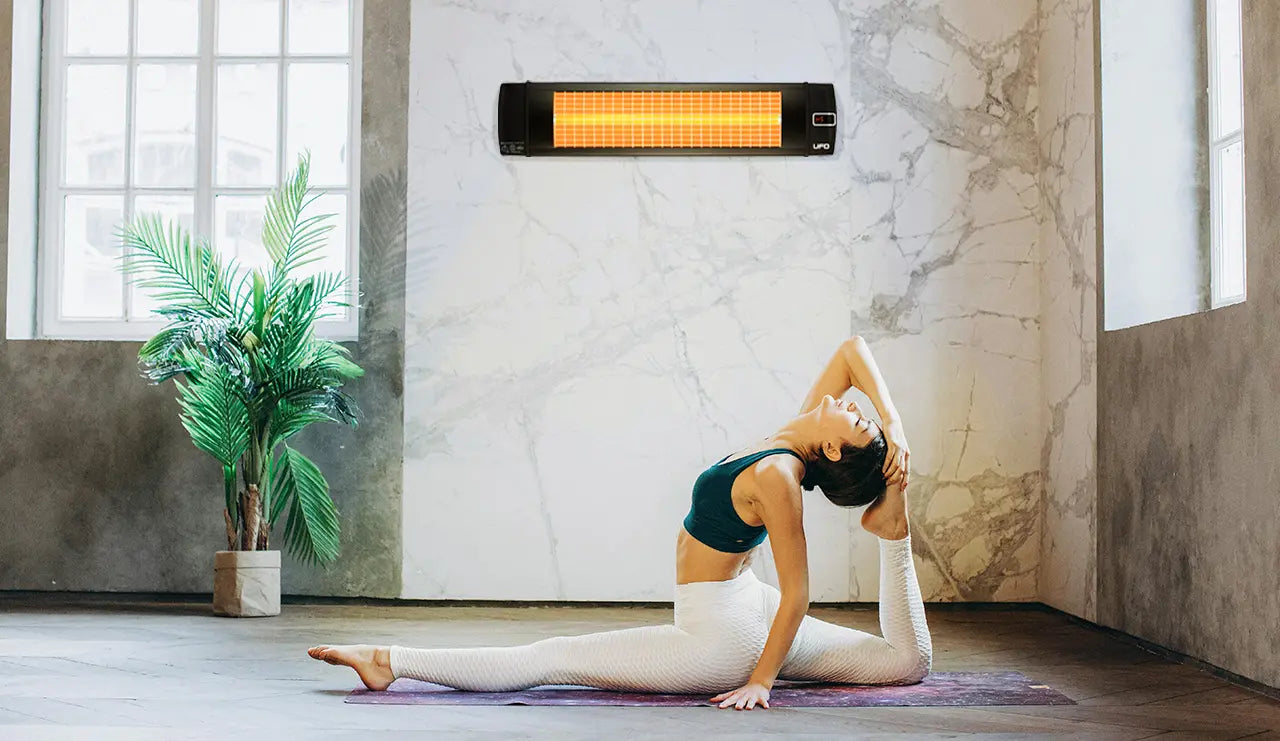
(1069, 300)
(585, 335)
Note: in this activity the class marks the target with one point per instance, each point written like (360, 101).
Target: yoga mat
(939, 688)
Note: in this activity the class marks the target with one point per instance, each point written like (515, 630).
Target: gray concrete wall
(1154, 167)
(100, 487)
(1189, 458)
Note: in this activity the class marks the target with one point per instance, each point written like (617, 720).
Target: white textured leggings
(720, 630)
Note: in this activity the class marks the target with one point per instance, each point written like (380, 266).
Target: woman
(731, 630)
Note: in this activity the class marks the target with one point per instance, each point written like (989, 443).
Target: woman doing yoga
(732, 630)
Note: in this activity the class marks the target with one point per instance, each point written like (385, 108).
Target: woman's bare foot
(886, 517)
(372, 663)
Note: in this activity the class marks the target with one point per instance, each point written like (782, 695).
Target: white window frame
(50, 323)
(24, 143)
(1218, 142)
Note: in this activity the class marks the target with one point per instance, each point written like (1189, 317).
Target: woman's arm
(835, 379)
(852, 366)
(780, 506)
(867, 378)
(781, 509)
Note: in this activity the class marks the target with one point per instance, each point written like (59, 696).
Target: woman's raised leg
(827, 652)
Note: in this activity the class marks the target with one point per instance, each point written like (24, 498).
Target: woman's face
(842, 420)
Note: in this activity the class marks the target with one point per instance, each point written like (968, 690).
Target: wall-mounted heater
(602, 118)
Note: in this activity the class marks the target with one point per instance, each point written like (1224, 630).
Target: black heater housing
(806, 118)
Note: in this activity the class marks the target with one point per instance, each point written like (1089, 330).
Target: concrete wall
(1189, 459)
(1155, 173)
(100, 485)
(588, 333)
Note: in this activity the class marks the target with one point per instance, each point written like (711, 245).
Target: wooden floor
(172, 670)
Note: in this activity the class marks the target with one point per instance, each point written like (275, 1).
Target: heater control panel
(656, 118)
(821, 129)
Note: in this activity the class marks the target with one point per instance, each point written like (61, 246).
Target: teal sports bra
(712, 519)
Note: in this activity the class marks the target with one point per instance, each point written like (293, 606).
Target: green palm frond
(189, 340)
(287, 339)
(165, 371)
(182, 271)
(165, 343)
(292, 241)
(332, 401)
(306, 240)
(288, 419)
(296, 383)
(261, 310)
(185, 330)
(311, 532)
(242, 298)
(283, 341)
(183, 361)
(330, 294)
(214, 414)
(331, 357)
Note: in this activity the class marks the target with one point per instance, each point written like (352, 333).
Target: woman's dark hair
(854, 480)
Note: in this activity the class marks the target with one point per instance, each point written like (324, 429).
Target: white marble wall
(585, 335)
(1068, 239)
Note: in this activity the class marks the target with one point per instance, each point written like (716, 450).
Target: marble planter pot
(246, 583)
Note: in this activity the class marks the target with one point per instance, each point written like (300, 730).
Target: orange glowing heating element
(667, 119)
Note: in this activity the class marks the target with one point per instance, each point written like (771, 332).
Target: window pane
(319, 26)
(318, 116)
(94, 146)
(98, 27)
(1231, 225)
(237, 225)
(167, 27)
(165, 125)
(246, 124)
(92, 284)
(248, 26)
(172, 208)
(1226, 26)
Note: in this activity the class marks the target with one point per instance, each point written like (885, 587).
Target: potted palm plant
(241, 347)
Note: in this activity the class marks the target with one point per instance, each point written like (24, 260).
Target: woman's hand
(745, 697)
(897, 459)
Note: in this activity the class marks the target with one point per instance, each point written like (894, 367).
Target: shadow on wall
(367, 488)
(383, 209)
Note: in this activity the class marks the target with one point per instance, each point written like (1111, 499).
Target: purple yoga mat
(939, 688)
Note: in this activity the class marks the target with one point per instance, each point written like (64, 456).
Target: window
(1226, 153)
(194, 109)
(1171, 176)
